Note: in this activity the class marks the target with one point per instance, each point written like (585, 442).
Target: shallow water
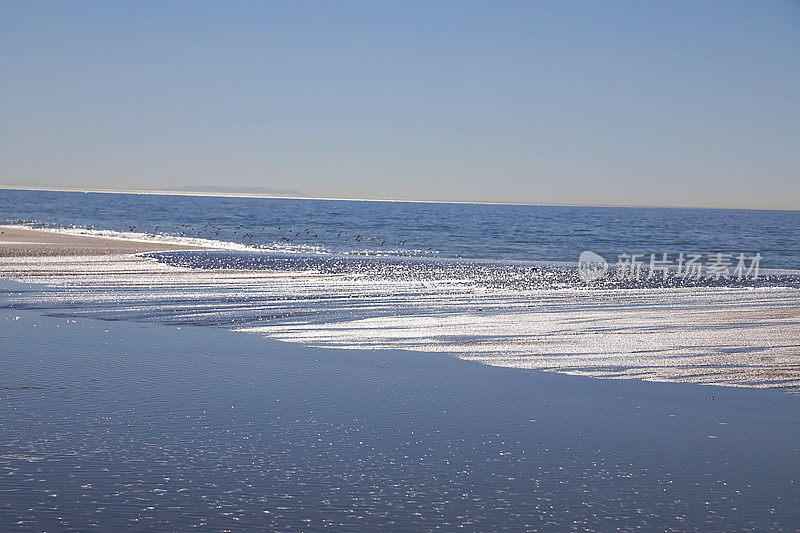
(115, 424)
(523, 316)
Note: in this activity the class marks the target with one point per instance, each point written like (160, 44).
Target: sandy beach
(16, 241)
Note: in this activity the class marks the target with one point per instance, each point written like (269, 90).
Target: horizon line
(222, 194)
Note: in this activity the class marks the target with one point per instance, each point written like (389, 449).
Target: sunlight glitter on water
(521, 316)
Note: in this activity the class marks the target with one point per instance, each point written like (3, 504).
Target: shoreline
(721, 336)
(19, 241)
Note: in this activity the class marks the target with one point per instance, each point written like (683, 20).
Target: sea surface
(447, 230)
(498, 284)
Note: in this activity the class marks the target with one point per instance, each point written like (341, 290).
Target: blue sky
(615, 103)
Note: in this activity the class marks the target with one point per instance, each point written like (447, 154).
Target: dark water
(472, 231)
(517, 275)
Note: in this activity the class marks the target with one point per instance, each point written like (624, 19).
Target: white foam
(198, 242)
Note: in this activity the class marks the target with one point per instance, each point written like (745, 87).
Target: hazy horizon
(640, 104)
(239, 192)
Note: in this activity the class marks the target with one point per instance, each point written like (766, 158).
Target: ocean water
(491, 283)
(448, 230)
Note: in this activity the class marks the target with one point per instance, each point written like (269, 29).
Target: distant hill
(237, 190)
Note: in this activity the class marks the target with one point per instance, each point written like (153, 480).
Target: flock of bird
(212, 230)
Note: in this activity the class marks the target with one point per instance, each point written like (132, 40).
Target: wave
(165, 238)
